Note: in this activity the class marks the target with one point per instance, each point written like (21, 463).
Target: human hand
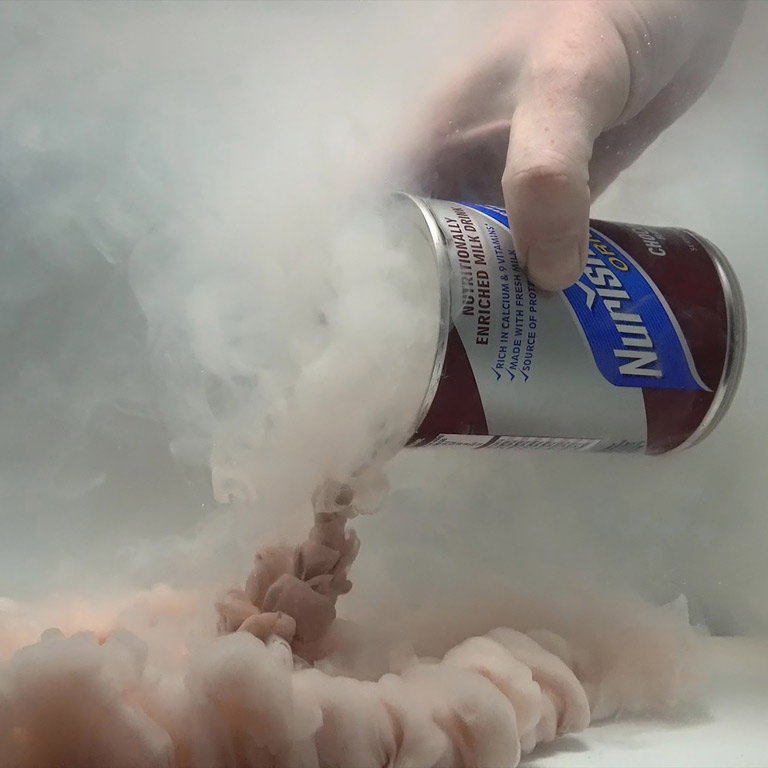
(567, 95)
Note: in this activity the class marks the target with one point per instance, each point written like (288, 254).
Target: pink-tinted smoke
(144, 682)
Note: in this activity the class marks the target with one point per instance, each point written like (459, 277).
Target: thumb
(558, 116)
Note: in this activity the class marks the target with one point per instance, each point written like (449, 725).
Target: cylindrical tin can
(643, 354)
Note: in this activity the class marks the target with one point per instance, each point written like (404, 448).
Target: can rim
(736, 345)
(429, 227)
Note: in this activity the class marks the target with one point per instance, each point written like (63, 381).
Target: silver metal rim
(735, 352)
(431, 230)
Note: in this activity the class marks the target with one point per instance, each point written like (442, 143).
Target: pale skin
(568, 95)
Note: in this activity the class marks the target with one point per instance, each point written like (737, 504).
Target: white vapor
(194, 270)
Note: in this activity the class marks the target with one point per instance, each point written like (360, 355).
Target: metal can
(642, 355)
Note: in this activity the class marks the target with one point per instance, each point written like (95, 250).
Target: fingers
(569, 94)
(619, 147)
(546, 189)
(468, 166)
(461, 146)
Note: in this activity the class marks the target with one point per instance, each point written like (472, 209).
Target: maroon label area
(457, 408)
(685, 274)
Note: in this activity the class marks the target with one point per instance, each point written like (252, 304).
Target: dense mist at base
(179, 251)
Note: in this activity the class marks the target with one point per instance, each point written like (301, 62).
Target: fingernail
(554, 264)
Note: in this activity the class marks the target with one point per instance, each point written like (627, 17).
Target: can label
(633, 335)
(564, 370)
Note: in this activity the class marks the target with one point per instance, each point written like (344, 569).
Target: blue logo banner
(633, 335)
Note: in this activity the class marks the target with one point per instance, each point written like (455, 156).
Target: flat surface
(731, 729)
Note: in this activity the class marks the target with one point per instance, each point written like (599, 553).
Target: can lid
(736, 345)
(415, 224)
